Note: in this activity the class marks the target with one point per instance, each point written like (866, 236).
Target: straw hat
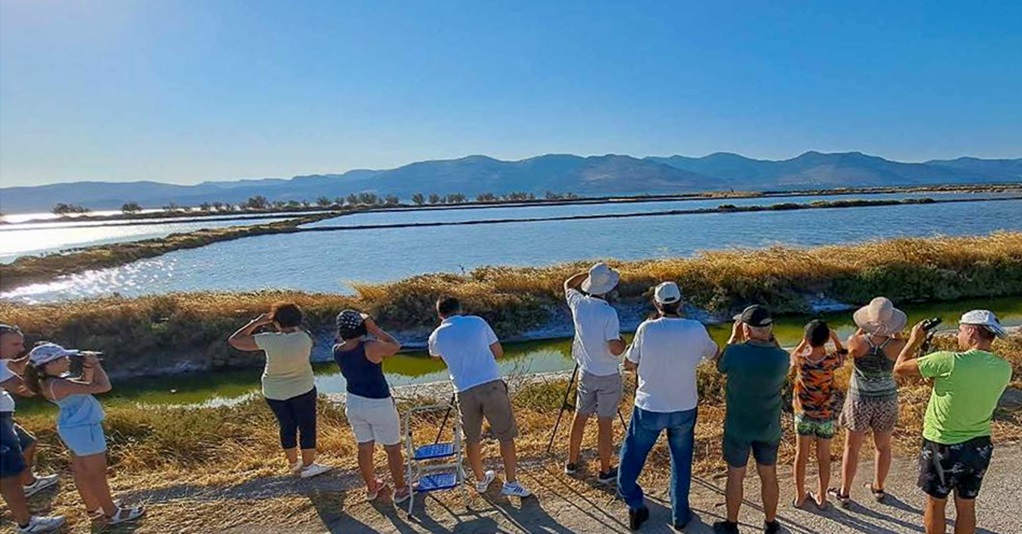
(880, 317)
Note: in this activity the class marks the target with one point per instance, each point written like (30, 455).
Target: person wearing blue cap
(967, 385)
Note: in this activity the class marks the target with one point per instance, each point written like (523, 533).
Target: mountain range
(560, 173)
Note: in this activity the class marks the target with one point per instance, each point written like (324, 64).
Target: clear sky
(191, 90)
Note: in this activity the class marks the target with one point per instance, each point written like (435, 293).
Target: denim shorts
(83, 440)
(12, 463)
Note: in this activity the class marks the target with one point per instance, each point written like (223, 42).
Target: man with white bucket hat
(596, 348)
(956, 428)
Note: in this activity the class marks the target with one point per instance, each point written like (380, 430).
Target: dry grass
(161, 331)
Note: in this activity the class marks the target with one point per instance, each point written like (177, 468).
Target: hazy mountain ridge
(562, 173)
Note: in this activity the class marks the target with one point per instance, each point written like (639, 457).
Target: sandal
(124, 515)
(371, 495)
(796, 504)
(403, 494)
(845, 500)
(878, 494)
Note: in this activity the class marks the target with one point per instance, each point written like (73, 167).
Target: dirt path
(334, 503)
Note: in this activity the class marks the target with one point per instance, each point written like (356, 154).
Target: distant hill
(561, 173)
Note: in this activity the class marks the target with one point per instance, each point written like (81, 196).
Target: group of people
(664, 354)
(45, 372)
(667, 348)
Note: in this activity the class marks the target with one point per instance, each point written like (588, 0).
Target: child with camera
(79, 423)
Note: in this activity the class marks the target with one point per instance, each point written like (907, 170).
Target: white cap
(48, 352)
(667, 293)
(602, 279)
(986, 319)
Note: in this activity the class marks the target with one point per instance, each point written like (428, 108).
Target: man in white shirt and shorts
(469, 347)
(595, 349)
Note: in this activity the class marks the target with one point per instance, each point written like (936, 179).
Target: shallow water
(225, 387)
(331, 261)
(37, 239)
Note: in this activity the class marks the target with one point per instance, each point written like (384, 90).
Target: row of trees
(261, 203)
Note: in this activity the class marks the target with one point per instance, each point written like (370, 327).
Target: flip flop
(816, 501)
(795, 504)
(372, 495)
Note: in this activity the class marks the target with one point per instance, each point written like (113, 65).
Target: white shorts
(373, 419)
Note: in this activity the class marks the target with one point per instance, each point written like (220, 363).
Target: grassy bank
(161, 452)
(160, 332)
(37, 269)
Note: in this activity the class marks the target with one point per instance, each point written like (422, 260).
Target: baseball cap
(986, 319)
(755, 315)
(48, 352)
(667, 293)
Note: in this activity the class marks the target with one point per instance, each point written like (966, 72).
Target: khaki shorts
(489, 400)
(600, 395)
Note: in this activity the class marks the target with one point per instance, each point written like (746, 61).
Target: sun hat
(986, 319)
(351, 324)
(755, 315)
(602, 279)
(667, 293)
(48, 352)
(880, 317)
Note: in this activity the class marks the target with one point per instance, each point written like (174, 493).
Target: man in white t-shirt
(469, 347)
(15, 464)
(596, 348)
(665, 353)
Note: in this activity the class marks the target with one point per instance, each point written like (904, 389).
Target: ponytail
(33, 379)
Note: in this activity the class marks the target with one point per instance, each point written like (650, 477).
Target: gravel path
(566, 505)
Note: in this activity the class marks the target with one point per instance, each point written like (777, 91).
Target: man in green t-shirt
(956, 428)
(756, 369)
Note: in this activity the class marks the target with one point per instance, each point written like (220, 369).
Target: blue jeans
(643, 432)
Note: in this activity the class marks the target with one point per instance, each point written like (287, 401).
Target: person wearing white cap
(664, 353)
(596, 348)
(956, 428)
(79, 423)
(872, 400)
(13, 464)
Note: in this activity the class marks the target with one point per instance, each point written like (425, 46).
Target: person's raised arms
(243, 338)
(384, 346)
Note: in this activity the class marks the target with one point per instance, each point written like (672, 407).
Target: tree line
(363, 199)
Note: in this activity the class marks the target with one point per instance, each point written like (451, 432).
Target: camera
(931, 323)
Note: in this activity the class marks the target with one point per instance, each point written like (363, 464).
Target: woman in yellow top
(288, 383)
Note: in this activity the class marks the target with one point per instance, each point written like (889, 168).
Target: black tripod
(565, 405)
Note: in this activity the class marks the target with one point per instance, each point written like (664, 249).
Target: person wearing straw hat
(664, 353)
(596, 348)
(872, 400)
(369, 406)
(956, 447)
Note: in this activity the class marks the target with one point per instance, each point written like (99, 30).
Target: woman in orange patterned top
(813, 399)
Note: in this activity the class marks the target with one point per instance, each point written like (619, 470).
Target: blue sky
(191, 90)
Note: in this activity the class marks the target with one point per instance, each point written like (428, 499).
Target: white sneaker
(42, 524)
(514, 489)
(484, 484)
(40, 484)
(313, 469)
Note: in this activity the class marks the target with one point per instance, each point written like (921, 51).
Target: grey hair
(763, 332)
